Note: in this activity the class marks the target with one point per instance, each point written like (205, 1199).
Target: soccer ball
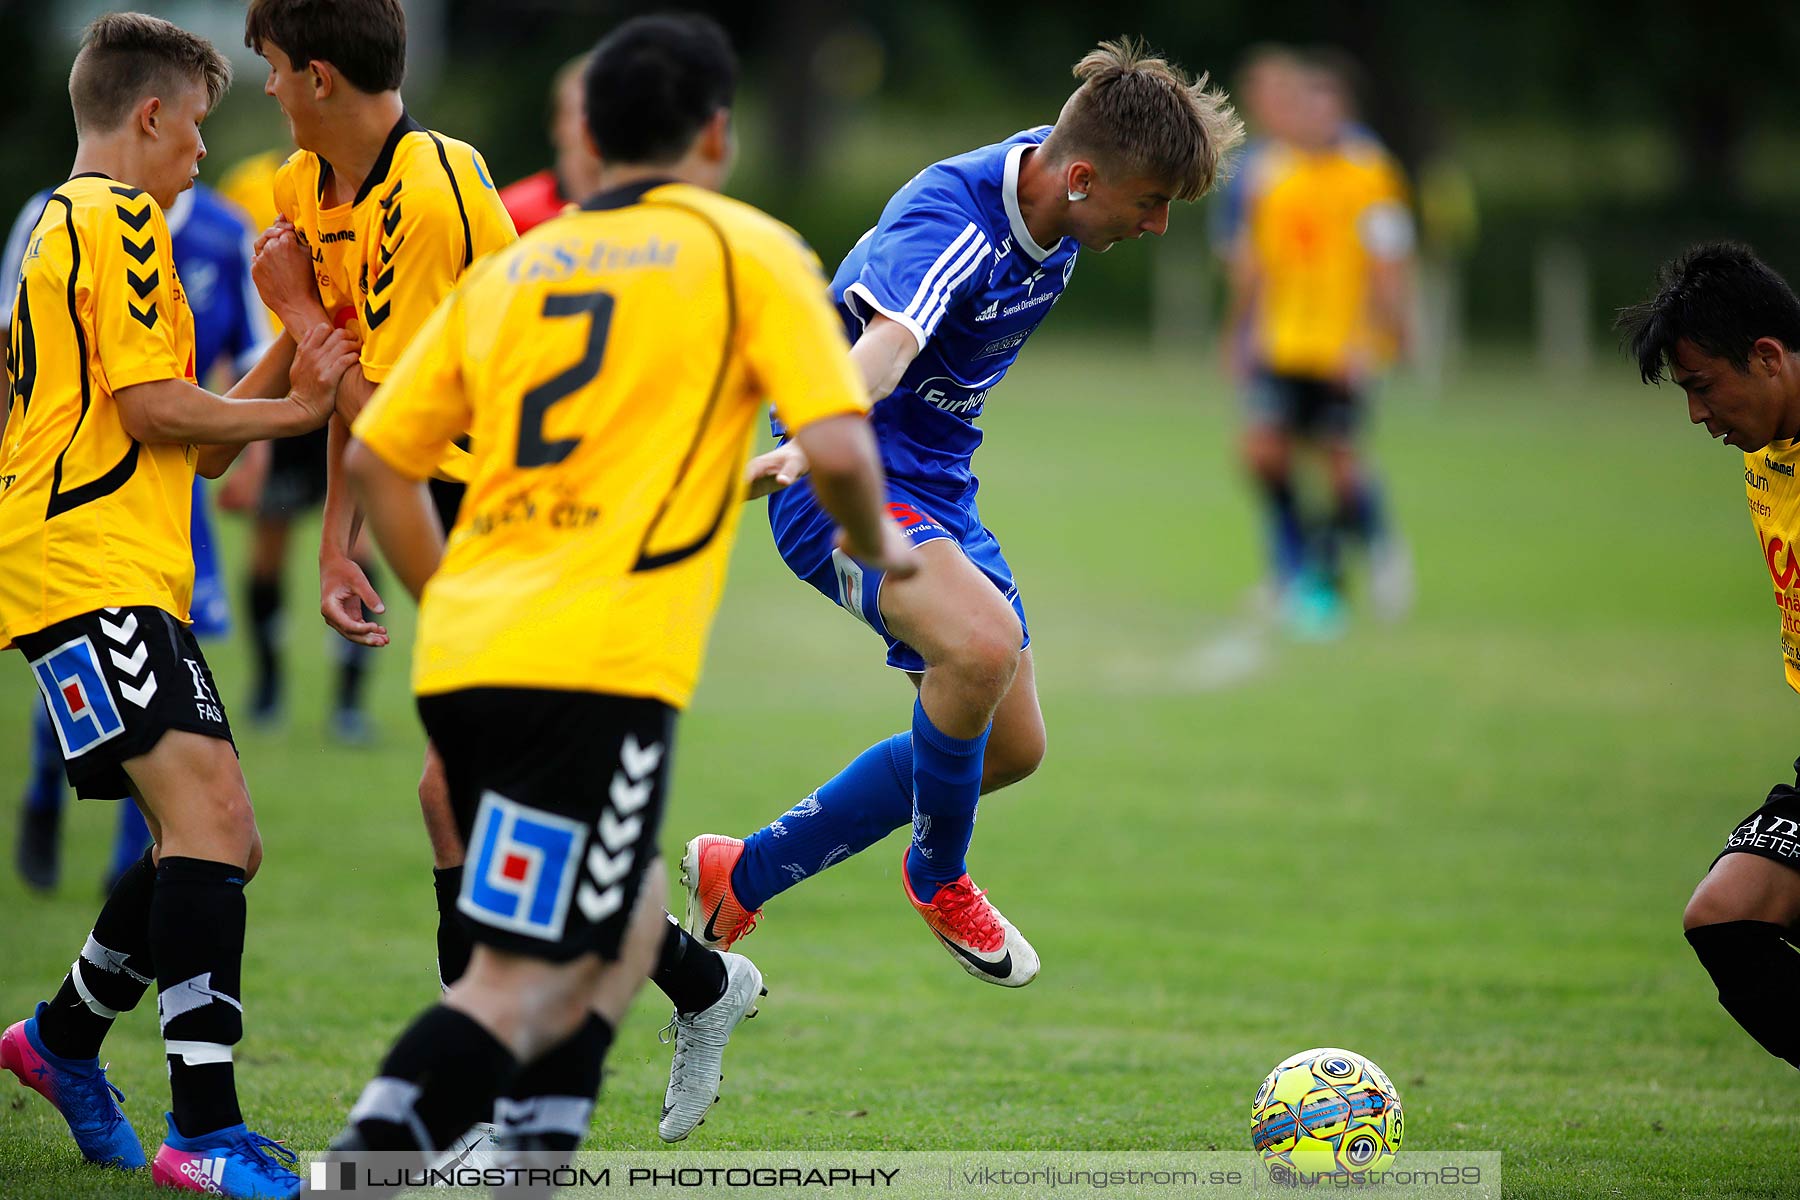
(1326, 1112)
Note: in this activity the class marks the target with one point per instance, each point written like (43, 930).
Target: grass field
(1460, 845)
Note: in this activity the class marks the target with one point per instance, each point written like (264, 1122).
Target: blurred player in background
(1320, 240)
(576, 173)
(106, 432)
(231, 330)
(966, 261)
(609, 374)
(1726, 329)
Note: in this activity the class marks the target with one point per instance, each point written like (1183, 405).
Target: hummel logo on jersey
(207, 1173)
(989, 313)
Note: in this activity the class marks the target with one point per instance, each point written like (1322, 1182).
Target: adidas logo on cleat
(208, 1175)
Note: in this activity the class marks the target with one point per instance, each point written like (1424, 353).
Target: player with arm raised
(106, 431)
(1726, 329)
(609, 369)
(940, 297)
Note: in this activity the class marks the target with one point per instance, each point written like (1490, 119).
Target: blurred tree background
(1560, 150)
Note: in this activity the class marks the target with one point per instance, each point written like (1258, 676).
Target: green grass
(1460, 846)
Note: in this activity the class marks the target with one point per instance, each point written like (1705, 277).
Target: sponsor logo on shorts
(1779, 837)
(522, 868)
(76, 693)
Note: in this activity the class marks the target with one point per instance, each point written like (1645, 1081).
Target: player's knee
(988, 657)
(1713, 903)
(253, 861)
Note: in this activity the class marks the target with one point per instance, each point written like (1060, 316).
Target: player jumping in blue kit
(939, 298)
(212, 242)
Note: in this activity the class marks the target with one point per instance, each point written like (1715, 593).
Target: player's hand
(343, 592)
(283, 271)
(322, 357)
(281, 225)
(894, 557)
(775, 470)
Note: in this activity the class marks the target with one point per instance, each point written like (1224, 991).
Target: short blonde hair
(127, 57)
(1138, 114)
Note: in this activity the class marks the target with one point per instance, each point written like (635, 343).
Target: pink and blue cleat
(79, 1090)
(233, 1161)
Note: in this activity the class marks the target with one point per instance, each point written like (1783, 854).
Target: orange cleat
(977, 936)
(714, 915)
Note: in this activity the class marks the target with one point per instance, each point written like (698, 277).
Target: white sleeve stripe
(965, 267)
(917, 304)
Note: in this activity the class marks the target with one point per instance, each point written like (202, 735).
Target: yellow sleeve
(135, 294)
(792, 338)
(418, 258)
(283, 192)
(422, 406)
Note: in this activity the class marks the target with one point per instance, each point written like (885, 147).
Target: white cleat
(476, 1150)
(700, 1048)
(1392, 585)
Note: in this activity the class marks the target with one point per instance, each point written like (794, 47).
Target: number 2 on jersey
(533, 450)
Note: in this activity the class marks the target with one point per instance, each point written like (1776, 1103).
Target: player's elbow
(138, 414)
(839, 449)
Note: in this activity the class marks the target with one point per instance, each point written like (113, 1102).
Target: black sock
(441, 1077)
(1758, 976)
(689, 974)
(197, 935)
(265, 635)
(453, 943)
(551, 1100)
(115, 968)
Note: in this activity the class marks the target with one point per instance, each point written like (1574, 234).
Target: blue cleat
(79, 1090)
(233, 1161)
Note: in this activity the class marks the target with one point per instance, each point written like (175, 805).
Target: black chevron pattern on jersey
(143, 287)
(375, 313)
(137, 221)
(140, 253)
(146, 318)
(125, 190)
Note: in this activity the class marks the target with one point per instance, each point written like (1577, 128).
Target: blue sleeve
(922, 257)
(12, 261)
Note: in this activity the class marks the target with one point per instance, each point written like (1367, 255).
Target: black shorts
(296, 479)
(1772, 831)
(114, 681)
(559, 799)
(1305, 407)
(446, 497)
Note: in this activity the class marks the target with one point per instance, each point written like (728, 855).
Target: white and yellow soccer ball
(1326, 1112)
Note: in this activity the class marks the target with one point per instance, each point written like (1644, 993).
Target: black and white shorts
(559, 798)
(1772, 831)
(114, 681)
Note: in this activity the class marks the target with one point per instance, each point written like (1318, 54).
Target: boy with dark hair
(106, 431)
(571, 359)
(1726, 329)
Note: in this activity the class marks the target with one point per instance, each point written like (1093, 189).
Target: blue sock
(862, 804)
(132, 839)
(49, 787)
(1287, 534)
(946, 789)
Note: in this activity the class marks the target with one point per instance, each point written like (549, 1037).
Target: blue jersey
(952, 261)
(212, 242)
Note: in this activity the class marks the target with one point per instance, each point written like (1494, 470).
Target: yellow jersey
(426, 213)
(90, 518)
(1316, 224)
(609, 368)
(1774, 500)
